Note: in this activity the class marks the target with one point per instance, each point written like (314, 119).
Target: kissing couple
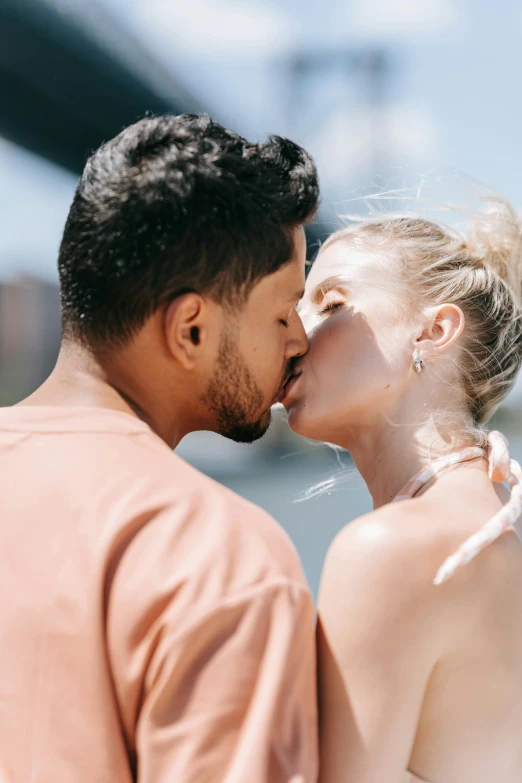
(154, 626)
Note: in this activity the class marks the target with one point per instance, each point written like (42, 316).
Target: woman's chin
(295, 419)
(302, 423)
(291, 414)
(300, 417)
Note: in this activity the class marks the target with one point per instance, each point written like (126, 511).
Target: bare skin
(411, 676)
(417, 676)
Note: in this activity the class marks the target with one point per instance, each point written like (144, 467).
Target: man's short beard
(234, 397)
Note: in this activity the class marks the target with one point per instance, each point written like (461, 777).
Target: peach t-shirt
(154, 626)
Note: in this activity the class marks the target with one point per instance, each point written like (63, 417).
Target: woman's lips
(285, 388)
(289, 385)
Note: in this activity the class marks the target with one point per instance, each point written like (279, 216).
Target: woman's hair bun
(495, 239)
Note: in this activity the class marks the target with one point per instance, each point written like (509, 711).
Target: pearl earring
(418, 364)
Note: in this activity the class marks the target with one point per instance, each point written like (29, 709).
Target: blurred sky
(449, 96)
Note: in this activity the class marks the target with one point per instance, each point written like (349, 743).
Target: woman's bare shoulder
(404, 533)
(378, 581)
(401, 547)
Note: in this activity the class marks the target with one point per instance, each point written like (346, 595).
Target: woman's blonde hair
(478, 269)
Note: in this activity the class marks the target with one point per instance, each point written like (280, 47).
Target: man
(153, 625)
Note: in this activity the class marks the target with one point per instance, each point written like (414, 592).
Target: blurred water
(311, 524)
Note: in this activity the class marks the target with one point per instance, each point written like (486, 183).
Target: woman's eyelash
(330, 307)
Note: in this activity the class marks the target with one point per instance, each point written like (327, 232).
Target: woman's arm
(377, 645)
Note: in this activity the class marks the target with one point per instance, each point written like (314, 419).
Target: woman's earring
(418, 364)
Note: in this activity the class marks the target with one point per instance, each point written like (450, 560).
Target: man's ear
(186, 328)
(442, 328)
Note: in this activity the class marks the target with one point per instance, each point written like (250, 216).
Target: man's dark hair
(176, 204)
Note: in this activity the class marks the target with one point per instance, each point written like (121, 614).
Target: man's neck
(80, 380)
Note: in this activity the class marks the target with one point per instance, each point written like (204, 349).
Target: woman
(415, 338)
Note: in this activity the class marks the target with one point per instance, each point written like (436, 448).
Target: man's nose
(297, 343)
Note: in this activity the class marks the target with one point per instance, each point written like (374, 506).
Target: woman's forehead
(338, 264)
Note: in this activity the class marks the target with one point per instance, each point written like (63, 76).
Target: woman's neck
(388, 455)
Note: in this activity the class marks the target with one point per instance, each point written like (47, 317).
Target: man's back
(153, 626)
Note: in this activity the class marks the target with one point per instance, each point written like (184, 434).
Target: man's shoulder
(191, 524)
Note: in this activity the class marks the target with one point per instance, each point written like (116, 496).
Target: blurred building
(29, 335)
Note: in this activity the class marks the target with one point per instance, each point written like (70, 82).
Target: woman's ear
(443, 326)
(186, 328)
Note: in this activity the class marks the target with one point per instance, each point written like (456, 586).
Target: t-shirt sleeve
(231, 699)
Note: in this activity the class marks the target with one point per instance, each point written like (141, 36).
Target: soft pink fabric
(153, 625)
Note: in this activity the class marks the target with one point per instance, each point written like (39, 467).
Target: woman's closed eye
(331, 307)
